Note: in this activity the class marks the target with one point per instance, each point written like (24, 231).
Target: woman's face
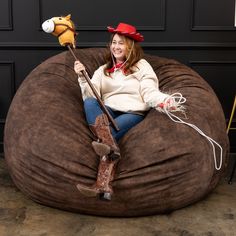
(118, 48)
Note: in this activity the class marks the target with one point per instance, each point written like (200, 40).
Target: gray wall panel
(6, 16)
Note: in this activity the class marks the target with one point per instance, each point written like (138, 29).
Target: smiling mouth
(117, 53)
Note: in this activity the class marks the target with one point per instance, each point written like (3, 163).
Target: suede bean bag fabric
(165, 166)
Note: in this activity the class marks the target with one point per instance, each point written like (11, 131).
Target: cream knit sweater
(134, 93)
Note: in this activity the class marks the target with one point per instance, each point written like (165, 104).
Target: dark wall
(198, 33)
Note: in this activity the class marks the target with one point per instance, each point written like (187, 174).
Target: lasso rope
(175, 103)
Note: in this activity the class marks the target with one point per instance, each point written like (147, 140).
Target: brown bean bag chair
(164, 165)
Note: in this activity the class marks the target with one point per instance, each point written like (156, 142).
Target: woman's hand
(78, 67)
(168, 104)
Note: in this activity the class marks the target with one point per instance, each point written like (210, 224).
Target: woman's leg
(106, 148)
(125, 122)
(92, 110)
(99, 125)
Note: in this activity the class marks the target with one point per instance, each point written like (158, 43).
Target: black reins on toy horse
(67, 28)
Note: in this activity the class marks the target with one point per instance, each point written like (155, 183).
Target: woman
(128, 87)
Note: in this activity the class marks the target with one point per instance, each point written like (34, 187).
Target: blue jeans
(124, 121)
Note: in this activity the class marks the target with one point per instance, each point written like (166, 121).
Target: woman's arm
(153, 97)
(149, 86)
(95, 80)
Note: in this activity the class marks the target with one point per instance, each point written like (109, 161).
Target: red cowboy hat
(127, 30)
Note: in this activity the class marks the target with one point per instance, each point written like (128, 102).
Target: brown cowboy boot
(102, 187)
(100, 149)
(106, 144)
(107, 192)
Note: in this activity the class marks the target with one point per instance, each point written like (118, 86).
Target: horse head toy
(63, 28)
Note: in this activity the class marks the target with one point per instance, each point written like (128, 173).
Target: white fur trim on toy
(48, 26)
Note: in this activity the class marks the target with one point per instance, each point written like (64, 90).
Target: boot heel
(113, 156)
(105, 196)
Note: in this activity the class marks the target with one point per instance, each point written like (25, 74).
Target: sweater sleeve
(96, 82)
(149, 85)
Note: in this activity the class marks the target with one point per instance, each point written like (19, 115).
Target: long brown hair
(135, 55)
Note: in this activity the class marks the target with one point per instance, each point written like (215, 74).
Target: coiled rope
(174, 103)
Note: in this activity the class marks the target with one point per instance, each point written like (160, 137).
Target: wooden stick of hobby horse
(95, 93)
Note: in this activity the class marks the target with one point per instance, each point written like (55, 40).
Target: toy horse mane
(63, 28)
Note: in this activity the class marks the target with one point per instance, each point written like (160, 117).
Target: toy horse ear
(68, 17)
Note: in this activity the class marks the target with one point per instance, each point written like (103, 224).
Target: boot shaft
(102, 131)
(103, 185)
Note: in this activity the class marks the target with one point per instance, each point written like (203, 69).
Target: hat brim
(136, 36)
